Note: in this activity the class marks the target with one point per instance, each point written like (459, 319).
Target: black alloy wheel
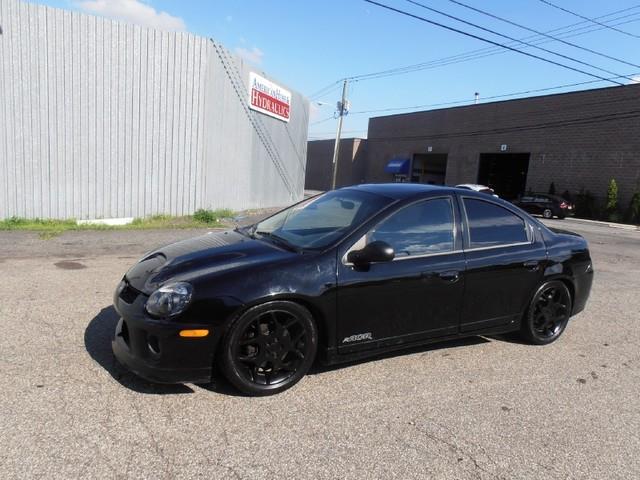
(548, 313)
(269, 348)
(547, 213)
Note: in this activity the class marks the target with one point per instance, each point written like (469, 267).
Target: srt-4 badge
(359, 337)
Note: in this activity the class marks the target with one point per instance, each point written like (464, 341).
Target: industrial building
(105, 119)
(578, 141)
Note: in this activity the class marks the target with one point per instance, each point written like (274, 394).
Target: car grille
(128, 294)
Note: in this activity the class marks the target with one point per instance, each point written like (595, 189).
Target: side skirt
(331, 357)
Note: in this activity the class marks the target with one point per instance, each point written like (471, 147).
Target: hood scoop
(203, 242)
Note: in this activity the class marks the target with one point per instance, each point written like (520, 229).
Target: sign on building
(268, 98)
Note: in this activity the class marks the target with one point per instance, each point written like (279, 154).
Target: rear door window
(491, 225)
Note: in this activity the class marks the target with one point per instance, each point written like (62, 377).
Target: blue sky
(308, 45)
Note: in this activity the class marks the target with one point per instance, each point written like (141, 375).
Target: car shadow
(511, 337)
(220, 385)
(448, 344)
(97, 341)
(99, 333)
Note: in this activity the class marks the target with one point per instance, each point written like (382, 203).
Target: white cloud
(635, 79)
(253, 55)
(134, 11)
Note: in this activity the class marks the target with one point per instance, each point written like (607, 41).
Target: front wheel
(269, 348)
(548, 314)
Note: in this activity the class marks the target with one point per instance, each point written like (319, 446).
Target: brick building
(319, 171)
(577, 140)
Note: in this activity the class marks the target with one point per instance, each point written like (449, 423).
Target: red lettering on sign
(267, 102)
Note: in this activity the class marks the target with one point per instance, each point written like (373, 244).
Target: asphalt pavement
(478, 408)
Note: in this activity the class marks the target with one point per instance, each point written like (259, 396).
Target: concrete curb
(622, 226)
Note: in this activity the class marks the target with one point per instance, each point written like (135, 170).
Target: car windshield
(320, 221)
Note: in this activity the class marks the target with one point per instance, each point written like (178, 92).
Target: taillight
(564, 205)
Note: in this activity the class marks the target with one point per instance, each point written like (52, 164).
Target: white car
(477, 188)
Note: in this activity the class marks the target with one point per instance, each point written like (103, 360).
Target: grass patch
(51, 228)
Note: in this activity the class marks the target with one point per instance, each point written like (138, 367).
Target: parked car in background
(477, 188)
(345, 275)
(545, 204)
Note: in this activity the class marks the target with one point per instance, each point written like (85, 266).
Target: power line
(544, 34)
(587, 18)
(344, 131)
(325, 90)
(581, 120)
(332, 117)
(486, 40)
(490, 51)
(595, 119)
(494, 32)
(469, 100)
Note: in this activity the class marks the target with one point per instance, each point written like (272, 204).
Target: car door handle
(451, 276)
(532, 265)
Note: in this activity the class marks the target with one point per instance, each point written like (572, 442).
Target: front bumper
(154, 350)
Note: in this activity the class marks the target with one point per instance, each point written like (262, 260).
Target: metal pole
(336, 146)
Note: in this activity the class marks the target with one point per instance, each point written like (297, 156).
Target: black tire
(547, 213)
(548, 313)
(269, 348)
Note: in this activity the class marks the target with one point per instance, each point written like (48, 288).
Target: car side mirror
(377, 251)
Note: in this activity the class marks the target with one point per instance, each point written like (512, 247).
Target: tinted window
(422, 228)
(490, 224)
(321, 220)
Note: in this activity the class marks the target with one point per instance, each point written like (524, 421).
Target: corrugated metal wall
(103, 119)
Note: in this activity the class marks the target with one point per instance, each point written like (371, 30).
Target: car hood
(215, 252)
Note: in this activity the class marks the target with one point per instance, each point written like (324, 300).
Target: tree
(612, 200)
(633, 214)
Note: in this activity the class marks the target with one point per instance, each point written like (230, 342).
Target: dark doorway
(506, 173)
(429, 168)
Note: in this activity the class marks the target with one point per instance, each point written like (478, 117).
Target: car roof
(400, 190)
(547, 195)
(472, 185)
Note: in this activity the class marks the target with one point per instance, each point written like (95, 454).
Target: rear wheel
(548, 313)
(547, 213)
(269, 348)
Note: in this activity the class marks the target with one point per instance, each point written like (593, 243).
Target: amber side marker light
(194, 333)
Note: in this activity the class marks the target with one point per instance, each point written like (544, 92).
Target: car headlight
(170, 300)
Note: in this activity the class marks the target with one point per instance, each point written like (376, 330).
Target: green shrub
(611, 209)
(203, 215)
(633, 214)
(612, 196)
(585, 204)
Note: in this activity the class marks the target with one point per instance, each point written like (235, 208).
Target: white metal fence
(103, 119)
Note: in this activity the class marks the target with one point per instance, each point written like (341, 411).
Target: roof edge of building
(521, 99)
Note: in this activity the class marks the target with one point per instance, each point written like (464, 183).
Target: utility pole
(342, 111)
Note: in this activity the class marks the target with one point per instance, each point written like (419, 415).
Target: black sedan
(545, 204)
(342, 276)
